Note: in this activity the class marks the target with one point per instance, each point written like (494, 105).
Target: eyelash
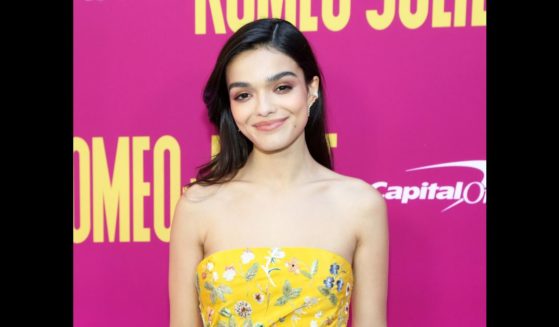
(287, 88)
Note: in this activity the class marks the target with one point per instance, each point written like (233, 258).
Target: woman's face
(256, 97)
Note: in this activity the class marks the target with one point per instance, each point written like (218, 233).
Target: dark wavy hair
(282, 36)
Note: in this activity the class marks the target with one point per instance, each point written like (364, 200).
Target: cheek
(296, 101)
(239, 115)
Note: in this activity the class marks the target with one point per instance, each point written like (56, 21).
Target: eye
(242, 96)
(286, 87)
(238, 97)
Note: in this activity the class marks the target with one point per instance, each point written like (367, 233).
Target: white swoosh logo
(476, 164)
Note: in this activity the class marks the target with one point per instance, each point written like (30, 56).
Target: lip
(269, 125)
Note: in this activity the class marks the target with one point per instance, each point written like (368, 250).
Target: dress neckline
(221, 252)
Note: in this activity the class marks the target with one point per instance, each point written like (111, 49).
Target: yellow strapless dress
(274, 286)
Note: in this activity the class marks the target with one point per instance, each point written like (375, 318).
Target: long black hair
(280, 35)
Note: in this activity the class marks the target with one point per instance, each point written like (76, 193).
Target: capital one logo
(469, 193)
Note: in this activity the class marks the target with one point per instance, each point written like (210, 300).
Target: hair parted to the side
(280, 35)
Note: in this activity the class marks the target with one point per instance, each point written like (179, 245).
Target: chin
(270, 148)
(277, 145)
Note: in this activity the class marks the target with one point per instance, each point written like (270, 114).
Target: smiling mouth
(270, 125)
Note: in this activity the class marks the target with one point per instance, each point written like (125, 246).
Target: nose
(265, 105)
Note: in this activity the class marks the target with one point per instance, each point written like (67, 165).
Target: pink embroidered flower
(259, 297)
(243, 309)
(293, 266)
(208, 269)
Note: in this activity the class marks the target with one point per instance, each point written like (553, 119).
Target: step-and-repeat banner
(406, 108)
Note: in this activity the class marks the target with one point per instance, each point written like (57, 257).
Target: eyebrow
(271, 79)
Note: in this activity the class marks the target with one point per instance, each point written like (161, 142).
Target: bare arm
(369, 294)
(185, 252)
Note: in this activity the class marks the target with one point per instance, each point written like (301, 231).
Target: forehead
(255, 65)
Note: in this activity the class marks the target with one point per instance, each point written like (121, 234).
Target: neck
(280, 169)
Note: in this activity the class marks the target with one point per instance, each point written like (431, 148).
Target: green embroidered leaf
(259, 324)
(324, 290)
(281, 300)
(225, 312)
(306, 274)
(220, 290)
(247, 323)
(252, 271)
(314, 267)
(286, 287)
(225, 289)
(333, 299)
(208, 286)
(232, 322)
(221, 324)
(294, 293)
(213, 297)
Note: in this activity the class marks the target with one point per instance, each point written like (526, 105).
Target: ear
(313, 90)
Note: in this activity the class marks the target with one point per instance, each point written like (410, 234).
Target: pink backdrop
(399, 98)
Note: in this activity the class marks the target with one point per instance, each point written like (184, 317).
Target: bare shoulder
(192, 210)
(356, 192)
(185, 252)
(366, 196)
(366, 209)
(359, 198)
(192, 201)
(200, 195)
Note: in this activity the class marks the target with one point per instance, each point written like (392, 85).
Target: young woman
(269, 234)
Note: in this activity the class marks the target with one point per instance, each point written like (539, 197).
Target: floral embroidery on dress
(276, 286)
